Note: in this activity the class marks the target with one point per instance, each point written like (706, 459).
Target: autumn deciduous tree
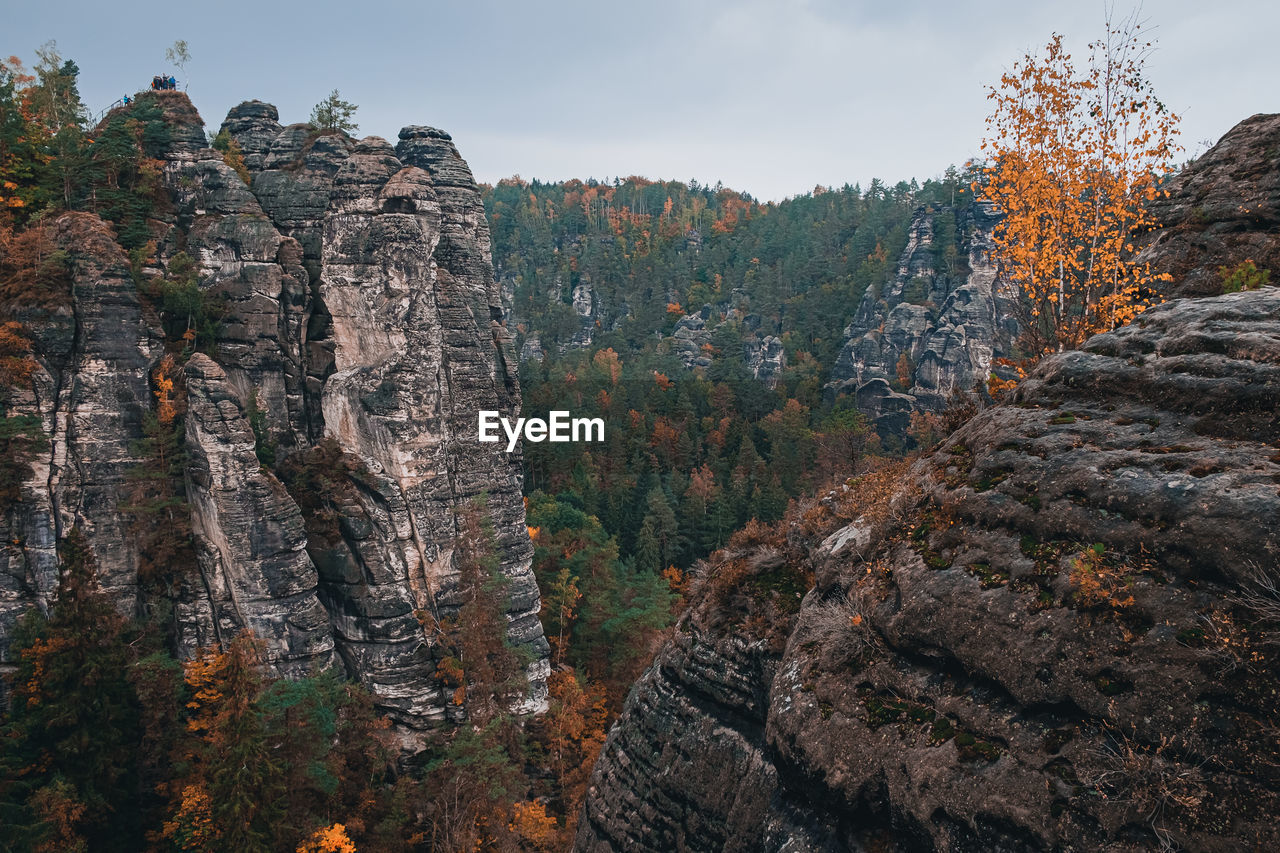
(1075, 155)
(572, 732)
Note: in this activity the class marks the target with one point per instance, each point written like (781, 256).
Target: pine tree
(658, 539)
(334, 114)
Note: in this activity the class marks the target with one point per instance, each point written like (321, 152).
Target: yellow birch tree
(1073, 159)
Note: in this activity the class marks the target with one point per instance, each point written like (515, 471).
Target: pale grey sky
(768, 96)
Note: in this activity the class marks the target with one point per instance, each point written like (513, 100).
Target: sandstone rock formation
(766, 359)
(949, 317)
(89, 392)
(361, 326)
(690, 336)
(1057, 632)
(250, 538)
(1223, 209)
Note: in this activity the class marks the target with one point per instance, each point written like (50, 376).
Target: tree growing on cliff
(69, 763)
(1074, 158)
(333, 113)
(178, 54)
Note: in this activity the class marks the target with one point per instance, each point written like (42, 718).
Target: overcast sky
(770, 97)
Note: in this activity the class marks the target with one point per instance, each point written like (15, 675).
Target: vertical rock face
(413, 367)
(358, 307)
(945, 312)
(249, 537)
(257, 275)
(89, 393)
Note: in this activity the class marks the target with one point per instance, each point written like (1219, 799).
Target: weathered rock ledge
(1054, 633)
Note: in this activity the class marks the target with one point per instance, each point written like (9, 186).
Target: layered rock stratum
(362, 325)
(1223, 209)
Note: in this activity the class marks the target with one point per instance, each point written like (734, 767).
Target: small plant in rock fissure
(1243, 276)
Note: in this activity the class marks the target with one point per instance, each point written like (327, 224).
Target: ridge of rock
(1219, 211)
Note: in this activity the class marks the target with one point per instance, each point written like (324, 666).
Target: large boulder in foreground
(1221, 210)
(1056, 631)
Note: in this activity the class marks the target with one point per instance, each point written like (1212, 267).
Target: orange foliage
(1100, 580)
(665, 433)
(16, 363)
(222, 685)
(192, 827)
(167, 408)
(608, 361)
(59, 811)
(532, 825)
(678, 582)
(32, 270)
(37, 654)
(905, 371)
(1075, 159)
(702, 482)
(573, 732)
(675, 308)
(329, 839)
(733, 209)
(664, 381)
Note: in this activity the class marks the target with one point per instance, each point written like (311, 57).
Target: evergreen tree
(334, 114)
(70, 760)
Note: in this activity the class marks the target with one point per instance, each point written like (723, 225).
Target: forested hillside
(703, 327)
(617, 264)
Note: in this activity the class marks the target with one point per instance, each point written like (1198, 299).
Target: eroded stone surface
(89, 393)
(1222, 210)
(359, 307)
(249, 536)
(950, 322)
(1050, 644)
